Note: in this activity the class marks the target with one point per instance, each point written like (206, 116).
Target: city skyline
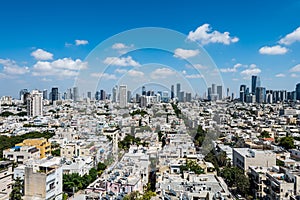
(266, 45)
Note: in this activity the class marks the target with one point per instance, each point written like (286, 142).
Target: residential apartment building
(21, 154)
(43, 180)
(245, 157)
(41, 143)
(6, 179)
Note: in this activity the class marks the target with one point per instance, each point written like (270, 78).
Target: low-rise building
(245, 157)
(21, 154)
(6, 179)
(41, 143)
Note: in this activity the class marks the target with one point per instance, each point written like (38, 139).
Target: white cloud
(291, 37)
(162, 73)
(11, 67)
(233, 69)
(135, 73)
(105, 76)
(250, 71)
(65, 67)
(273, 50)
(294, 75)
(280, 75)
(119, 46)
(185, 53)
(46, 79)
(122, 48)
(121, 61)
(296, 68)
(121, 71)
(81, 42)
(205, 35)
(41, 54)
(193, 76)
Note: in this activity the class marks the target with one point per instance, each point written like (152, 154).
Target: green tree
(265, 134)
(235, 178)
(55, 152)
(17, 187)
(287, 142)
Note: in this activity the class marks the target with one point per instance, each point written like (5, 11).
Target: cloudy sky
(50, 43)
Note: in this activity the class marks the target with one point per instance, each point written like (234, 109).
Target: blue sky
(38, 47)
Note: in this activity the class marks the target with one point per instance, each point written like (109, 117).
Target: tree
(287, 142)
(235, 178)
(101, 166)
(265, 134)
(17, 187)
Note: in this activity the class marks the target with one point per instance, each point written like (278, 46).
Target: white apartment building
(6, 179)
(35, 104)
(21, 154)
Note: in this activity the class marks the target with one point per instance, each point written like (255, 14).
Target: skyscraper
(35, 104)
(144, 90)
(220, 92)
(102, 95)
(255, 83)
(243, 93)
(76, 94)
(172, 92)
(209, 93)
(45, 94)
(89, 95)
(128, 96)
(260, 95)
(123, 95)
(178, 90)
(54, 94)
(114, 94)
(22, 92)
(297, 91)
(97, 95)
(213, 88)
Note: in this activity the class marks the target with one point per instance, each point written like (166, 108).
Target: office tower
(209, 93)
(143, 101)
(242, 93)
(269, 96)
(89, 95)
(178, 90)
(128, 96)
(297, 91)
(123, 95)
(172, 92)
(137, 97)
(255, 83)
(164, 96)
(188, 97)
(102, 95)
(22, 92)
(260, 95)
(213, 88)
(144, 90)
(227, 92)
(76, 94)
(35, 104)
(114, 94)
(69, 94)
(181, 96)
(97, 95)
(54, 94)
(45, 94)
(219, 92)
